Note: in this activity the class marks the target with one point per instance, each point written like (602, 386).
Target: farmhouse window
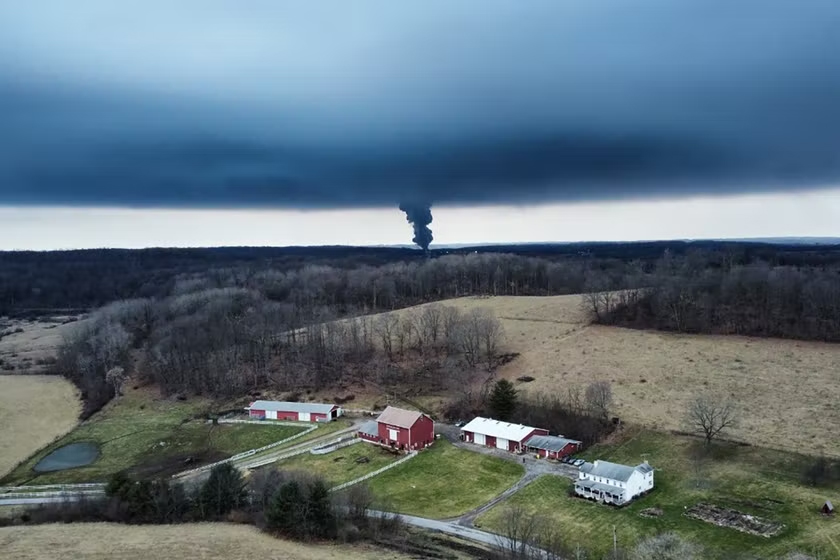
(393, 434)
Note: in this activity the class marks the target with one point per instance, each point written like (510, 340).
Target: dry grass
(30, 350)
(787, 389)
(34, 410)
(207, 541)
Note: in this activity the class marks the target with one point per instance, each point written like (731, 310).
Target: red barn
(401, 429)
(294, 411)
(502, 435)
(553, 447)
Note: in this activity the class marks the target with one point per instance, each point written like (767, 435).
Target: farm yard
(343, 465)
(751, 480)
(151, 436)
(208, 541)
(444, 482)
(785, 388)
(24, 431)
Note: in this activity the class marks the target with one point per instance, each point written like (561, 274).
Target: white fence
(58, 487)
(66, 494)
(374, 473)
(246, 454)
(262, 422)
(338, 444)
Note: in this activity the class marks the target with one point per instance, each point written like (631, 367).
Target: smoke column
(419, 216)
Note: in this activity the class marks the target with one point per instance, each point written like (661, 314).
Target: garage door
(271, 414)
(303, 416)
(501, 443)
(479, 439)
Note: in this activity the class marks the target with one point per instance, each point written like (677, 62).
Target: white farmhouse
(613, 483)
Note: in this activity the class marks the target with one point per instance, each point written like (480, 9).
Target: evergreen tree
(223, 491)
(285, 512)
(321, 521)
(503, 400)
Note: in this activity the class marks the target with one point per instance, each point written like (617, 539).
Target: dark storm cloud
(324, 104)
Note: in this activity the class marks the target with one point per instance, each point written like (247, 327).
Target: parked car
(578, 462)
(565, 459)
(460, 424)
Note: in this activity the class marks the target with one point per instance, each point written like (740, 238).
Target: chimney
(596, 462)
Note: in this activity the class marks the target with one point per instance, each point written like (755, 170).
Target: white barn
(612, 483)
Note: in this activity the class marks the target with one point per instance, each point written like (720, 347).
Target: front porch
(599, 492)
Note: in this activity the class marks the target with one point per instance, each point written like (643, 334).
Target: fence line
(374, 473)
(246, 454)
(22, 495)
(265, 422)
(4, 489)
(342, 442)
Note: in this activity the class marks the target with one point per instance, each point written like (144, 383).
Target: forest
(226, 322)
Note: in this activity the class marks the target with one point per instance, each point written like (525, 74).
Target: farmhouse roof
(498, 429)
(370, 428)
(318, 408)
(399, 417)
(550, 443)
(605, 469)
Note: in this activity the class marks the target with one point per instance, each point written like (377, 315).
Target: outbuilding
(553, 447)
(293, 411)
(400, 429)
(498, 434)
(828, 508)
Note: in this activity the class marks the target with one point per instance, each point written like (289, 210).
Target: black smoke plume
(419, 216)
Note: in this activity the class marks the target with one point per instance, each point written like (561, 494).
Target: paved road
(455, 529)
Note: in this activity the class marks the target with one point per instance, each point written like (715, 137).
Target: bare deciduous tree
(115, 378)
(599, 398)
(710, 415)
(520, 532)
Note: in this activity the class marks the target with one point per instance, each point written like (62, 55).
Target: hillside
(785, 388)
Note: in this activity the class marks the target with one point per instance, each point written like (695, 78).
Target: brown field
(208, 541)
(34, 410)
(30, 351)
(787, 390)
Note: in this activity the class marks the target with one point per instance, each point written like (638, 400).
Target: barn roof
(550, 443)
(399, 417)
(829, 505)
(370, 428)
(279, 406)
(498, 429)
(613, 471)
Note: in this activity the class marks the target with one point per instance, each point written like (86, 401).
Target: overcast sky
(222, 122)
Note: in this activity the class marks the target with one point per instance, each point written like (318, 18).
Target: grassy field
(205, 541)
(23, 432)
(29, 346)
(444, 482)
(152, 435)
(340, 466)
(749, 479)
(785, 388)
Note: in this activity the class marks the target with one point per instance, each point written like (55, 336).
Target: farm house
(612, 483)
(553, 447)
(294, 411)
(502, 435)
(399, 428)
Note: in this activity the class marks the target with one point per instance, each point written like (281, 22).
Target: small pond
(69, 457)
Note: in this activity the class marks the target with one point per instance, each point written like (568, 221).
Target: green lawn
(153, 435)
(340, 466)
(444, 481)
(752, 480)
